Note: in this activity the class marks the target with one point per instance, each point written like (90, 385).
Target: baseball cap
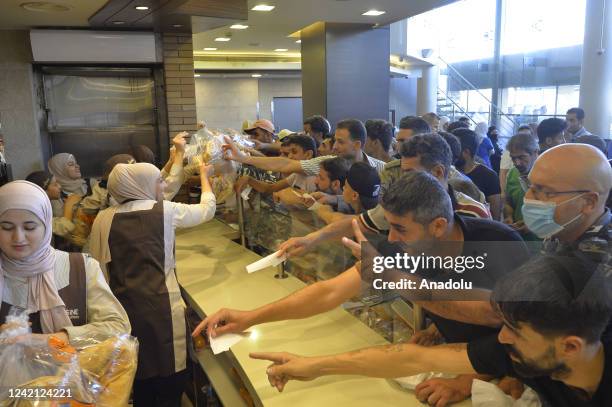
(284, 133)
(366, 182)
(262, 124)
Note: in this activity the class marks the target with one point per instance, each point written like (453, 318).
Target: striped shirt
(311, 167)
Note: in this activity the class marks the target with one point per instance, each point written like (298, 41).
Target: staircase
(453, 105)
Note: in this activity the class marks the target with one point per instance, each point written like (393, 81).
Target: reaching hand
(232, 152)
(442, 392)
(323, 198)
(355, 245)
(512, 387)
(179, 141)
(224, 321)
(287, 366)
(207, 170)
(296, 246)
(427, 337)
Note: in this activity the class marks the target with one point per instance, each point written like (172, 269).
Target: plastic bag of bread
(38, 370)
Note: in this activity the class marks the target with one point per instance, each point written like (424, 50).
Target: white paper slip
(224, 342)
(245, 193)
(269, 261)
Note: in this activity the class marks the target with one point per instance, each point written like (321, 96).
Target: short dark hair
(420, 194)
(306, 142)
(556, 296)
(356, 129)
(380, 130)
(337, 169)
(416, 124)
(464, 119)
(523, 142)
(593, 140)
(318, 124)
(453, 143)
(525, 127)
(457, 125)
(40, 178)
(550, 128)
(468, 140)
(578, 112)
(432, 150)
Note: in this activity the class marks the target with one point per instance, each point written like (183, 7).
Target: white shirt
(105, 315)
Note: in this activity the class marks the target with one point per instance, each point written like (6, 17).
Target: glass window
(447, 31)
(543, 24)
(567, 97)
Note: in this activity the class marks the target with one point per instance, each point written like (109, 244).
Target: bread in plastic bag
(98, 371)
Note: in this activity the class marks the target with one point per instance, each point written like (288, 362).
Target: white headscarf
(58, 166)
(444, 120)
(481, 131)
(125, 182)
(38, 267)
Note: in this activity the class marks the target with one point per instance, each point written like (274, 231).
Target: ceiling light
(44, 7)
(222, 39)
(118, 22)
(373, 13)
(263, 7)
(177, 25)
(239, 27)
(197, 75)
(142, 8)
(281, 50)
(256, 75)
(210, 49)
(298, 42)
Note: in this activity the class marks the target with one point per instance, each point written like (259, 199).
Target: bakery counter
(211, 270)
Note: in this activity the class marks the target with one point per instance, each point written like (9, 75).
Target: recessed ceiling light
(239, 27)
(298, 42)
(210, 49)
(118, 22)
(142, 8)
(374, 13)
(196, 75)
(256, 75)
(263, 7)
(44, 7)
(177, 25)
(281, 50)
(222, 39)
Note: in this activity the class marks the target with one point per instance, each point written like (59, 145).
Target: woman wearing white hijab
(67, 172)
(65, 294)
(134, 241)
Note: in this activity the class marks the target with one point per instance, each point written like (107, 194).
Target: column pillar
(345, 71)
(427, 90)
(596, 70)
(179, 82)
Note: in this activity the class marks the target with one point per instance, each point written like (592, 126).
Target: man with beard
(523, 150)
(554, 311)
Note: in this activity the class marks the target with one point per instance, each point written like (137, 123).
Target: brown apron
(74, 296)
(138, 280)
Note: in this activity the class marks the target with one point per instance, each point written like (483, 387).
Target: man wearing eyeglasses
(523, 149)
(566, 204)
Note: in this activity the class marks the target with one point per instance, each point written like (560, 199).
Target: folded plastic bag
(486, 394)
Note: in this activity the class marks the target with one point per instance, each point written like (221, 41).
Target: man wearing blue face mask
(566, 204)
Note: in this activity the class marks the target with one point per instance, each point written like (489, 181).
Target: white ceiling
(271, 29)
(12, 16)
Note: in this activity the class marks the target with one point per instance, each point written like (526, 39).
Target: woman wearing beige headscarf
(65, 294)
(134, 241)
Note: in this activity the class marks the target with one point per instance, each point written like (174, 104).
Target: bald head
(573, 167)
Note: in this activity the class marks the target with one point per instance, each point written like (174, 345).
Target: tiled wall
(180, 88)
(17, 104)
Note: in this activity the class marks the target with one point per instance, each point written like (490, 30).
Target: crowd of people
(542, 313)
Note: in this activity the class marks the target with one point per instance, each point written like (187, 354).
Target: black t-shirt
(488, 356)
(505, 252)
(485, 179)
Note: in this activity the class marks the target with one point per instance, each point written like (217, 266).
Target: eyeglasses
(538, 193)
